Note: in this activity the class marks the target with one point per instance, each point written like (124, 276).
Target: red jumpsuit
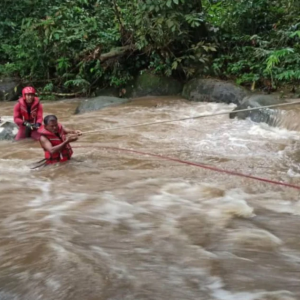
(32, 113)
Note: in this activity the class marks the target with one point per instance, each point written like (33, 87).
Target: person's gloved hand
(28, 125)
(36, 125)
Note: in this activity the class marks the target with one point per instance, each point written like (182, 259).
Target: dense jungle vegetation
(74, 46)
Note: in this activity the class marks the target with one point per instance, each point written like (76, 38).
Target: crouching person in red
(55, 142)
(28, 114)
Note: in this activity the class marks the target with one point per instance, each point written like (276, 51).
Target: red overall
(21, 115)
(55, 140)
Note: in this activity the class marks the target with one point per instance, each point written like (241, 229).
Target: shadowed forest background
(80, 45)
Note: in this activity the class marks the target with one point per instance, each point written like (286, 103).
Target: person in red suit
(28, 115)
(55, 142)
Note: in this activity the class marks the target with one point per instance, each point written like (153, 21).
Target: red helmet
(28, 90)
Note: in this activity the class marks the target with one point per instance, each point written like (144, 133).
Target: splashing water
(115, 225)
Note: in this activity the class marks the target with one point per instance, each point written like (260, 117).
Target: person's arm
(69, 131)
(53, 149)
(39, 117)
(17, 115)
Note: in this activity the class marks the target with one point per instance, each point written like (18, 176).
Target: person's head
(28, 94)
(51, 124)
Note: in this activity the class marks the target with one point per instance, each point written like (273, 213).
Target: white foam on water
(218, 292)
(184, 111)
(285, 207)
(106, 207)
(38, 275)
(272, 133)
(62, 252)
(53, 284)
(233, 203)
(157, 234)
(6, 119)
(114, 211)
(293, 257)
(13, 166)
(273, 201)
(292, 173)
(241, 137)
(177, 199)
(253, 239)
(222, 294)
(45, 187)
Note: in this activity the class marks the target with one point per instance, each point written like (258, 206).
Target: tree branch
(115, 52)
(60, 94)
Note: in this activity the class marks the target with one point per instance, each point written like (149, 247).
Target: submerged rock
(266, 115)
(8, 129)
(98, 103)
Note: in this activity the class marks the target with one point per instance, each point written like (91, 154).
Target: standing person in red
(55, 142)
(28, 114)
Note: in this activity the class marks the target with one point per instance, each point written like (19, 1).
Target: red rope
(201, 166)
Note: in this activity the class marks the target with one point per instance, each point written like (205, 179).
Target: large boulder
(265, 115)
(212, 90)
(8, 129)
(10, 89)
(98, 103)
(149, 84)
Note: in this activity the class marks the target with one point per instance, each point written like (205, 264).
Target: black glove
(28, 125)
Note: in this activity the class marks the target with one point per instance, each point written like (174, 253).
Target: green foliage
(79, 45)
(258, 40)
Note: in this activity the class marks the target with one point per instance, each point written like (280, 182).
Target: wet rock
(98, 103)
(8, 129)
(212, 90)
(152, 85)
(10, 89)
(266, 115)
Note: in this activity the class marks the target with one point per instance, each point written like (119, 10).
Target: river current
(118, 225)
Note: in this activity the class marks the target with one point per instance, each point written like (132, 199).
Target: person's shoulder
(37, 100)
(43, 138)
(17, 104)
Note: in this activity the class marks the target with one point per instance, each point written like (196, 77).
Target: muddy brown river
(114, 225)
